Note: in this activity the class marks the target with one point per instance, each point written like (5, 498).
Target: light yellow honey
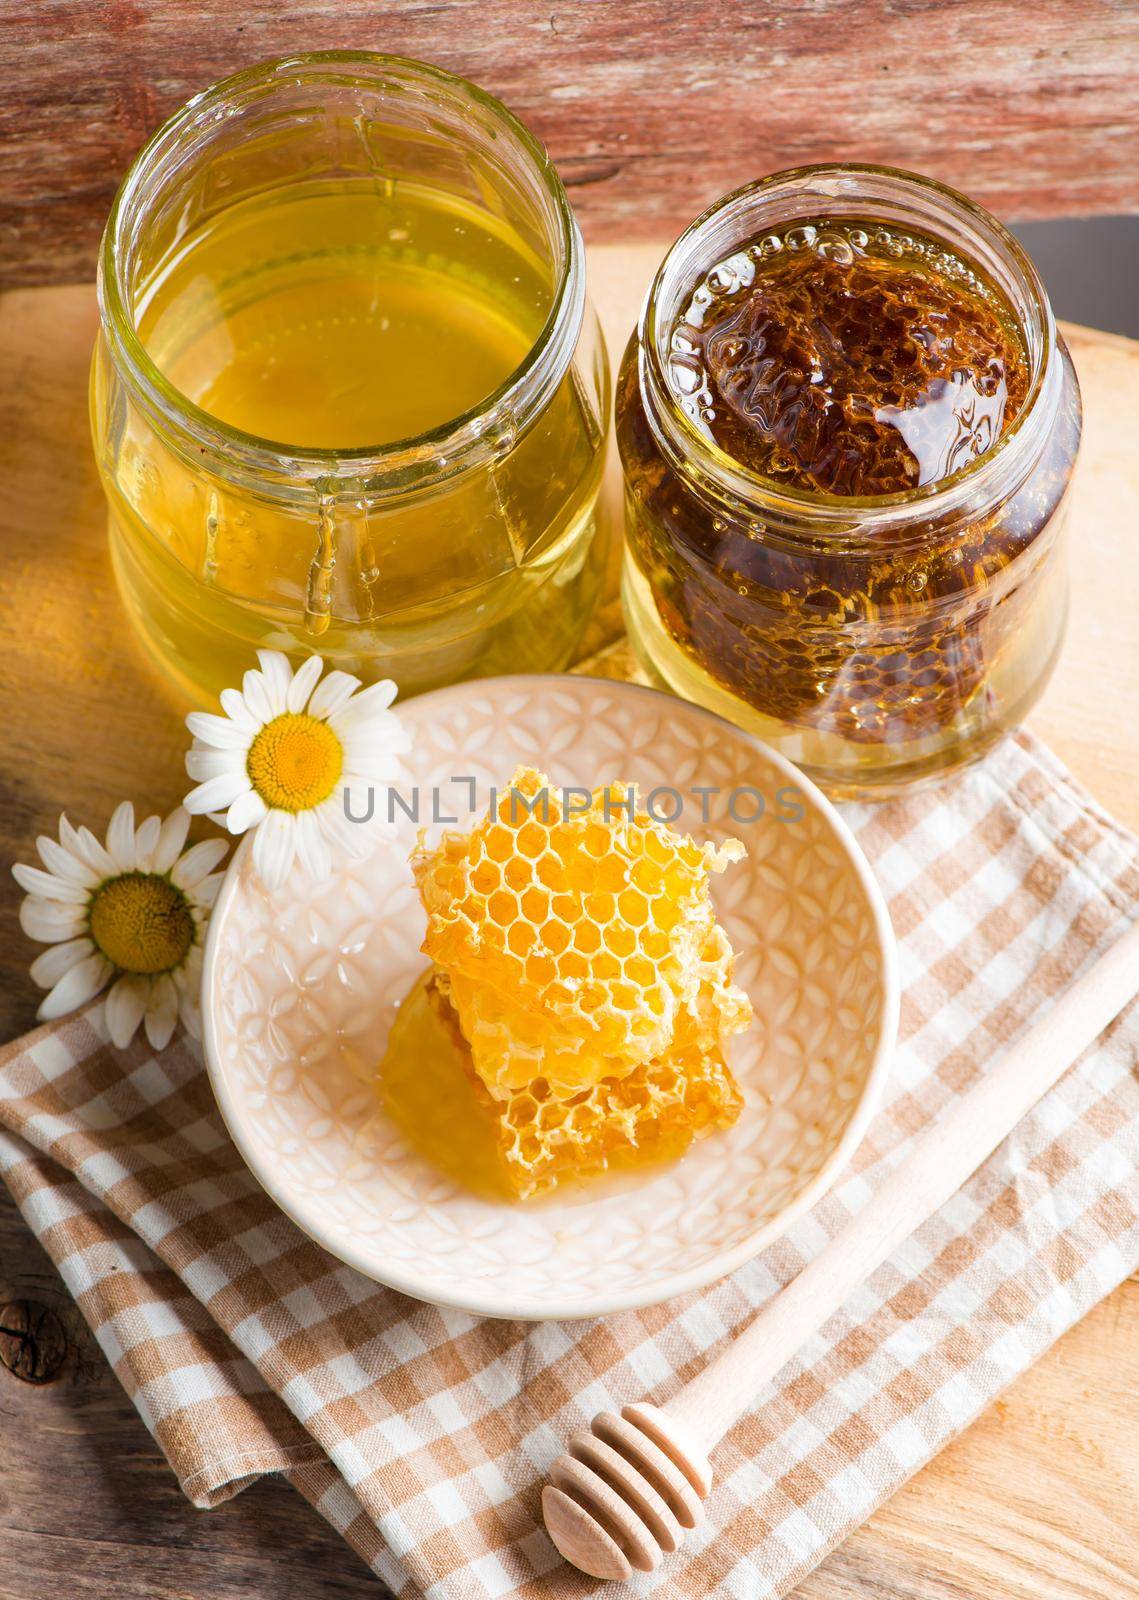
(339, 317)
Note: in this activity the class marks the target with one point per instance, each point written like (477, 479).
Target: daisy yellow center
(141, 922)
(295, 762)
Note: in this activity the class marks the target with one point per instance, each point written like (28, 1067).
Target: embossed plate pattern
(300, 988)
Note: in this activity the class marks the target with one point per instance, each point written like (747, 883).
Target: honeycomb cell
(517, 875)
(551, 872)
(531, 840)
(486, 877)
(620, 940)
(520, 938)
(633, 907)
(498, 844)
(587, 939)
(573, 966)
(502, 908)
(535, 906)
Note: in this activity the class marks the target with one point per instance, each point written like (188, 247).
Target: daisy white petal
(65, 863)
(47, 969)
(278, 676)
(171, 839)
(355, 839)
(79, 984)
(198, 861)
(274, 847)
(246, 812)
(312, 846)
(378, 731)
(368, 702)
(216, 794)
(331, 693)
(206, 891)
(161, 1015)
(303, 684)
(144, 842)
(120, 837)
(188, 983)
(219, 733)
(34, 880)
(89, 848)
(190, 976)
(362, 803)
(51, 921)
(233, 704)
(333, 820)
(259, 698)
(370, 766)
(203, 764)
(124, 1007)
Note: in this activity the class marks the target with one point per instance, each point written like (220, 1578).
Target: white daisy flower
(283, 754)
(130, 913)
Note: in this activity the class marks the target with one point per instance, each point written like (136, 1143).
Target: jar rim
(985, 476)
(436, 452)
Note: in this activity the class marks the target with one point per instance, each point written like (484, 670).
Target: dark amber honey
(842, 358)
(827, 539)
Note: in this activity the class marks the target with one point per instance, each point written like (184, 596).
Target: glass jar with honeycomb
(847, 426)
(349, 395)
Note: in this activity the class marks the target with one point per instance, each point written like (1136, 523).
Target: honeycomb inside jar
(844, 363)
(848, 359)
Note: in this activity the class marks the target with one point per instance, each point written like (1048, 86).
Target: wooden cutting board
(1039, 1500)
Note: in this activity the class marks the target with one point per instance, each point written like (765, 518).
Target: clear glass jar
(875, 641)
(269, 238)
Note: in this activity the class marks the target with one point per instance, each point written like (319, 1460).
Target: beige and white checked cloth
(424, 1435)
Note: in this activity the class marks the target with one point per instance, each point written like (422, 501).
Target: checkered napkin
(424, 1435)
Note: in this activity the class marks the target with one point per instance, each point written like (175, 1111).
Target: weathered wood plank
(89, 1509)
(649, 110)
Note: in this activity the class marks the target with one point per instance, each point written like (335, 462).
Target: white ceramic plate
(300, 988)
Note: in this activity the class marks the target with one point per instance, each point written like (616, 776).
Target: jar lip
(941, 495)
(520, 393)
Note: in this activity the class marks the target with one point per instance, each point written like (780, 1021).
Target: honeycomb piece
(651, 1114)
(568, 936)
(510, 1046)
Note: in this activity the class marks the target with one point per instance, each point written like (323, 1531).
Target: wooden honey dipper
(622, 1495)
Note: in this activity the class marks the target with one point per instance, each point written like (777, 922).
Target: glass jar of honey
(349, 395)
(847, 425)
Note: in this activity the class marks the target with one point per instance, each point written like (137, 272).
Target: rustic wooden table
(1039, 1500)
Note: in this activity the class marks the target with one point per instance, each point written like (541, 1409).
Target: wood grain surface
(650, 108)
(1039, 1500)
